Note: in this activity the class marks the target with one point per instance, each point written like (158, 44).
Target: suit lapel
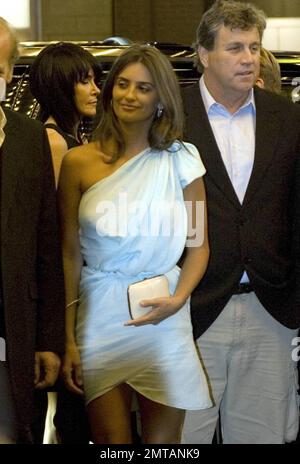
(9, 169)
(267, 131)
(199, 132)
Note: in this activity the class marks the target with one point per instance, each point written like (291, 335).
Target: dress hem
(198, 408)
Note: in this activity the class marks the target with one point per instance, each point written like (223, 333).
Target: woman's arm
(59, 148)
(195, 262)
(69, 195)
(197, 249)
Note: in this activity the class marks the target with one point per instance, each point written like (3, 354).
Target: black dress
(70, 140)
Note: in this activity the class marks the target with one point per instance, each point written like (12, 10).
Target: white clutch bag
(155, 287)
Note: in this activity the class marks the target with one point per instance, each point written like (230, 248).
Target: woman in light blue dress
(128, 203)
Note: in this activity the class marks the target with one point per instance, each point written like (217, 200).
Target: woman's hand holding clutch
(159, 309)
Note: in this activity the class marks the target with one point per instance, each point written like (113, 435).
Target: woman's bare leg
(160, 424)
(110, 416)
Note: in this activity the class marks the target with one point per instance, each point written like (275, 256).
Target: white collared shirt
(2, 124)
(235, 137)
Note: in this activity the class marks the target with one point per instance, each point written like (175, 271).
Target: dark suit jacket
(260, 236)
(31, 265)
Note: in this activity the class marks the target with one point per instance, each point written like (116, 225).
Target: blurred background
(170, 21)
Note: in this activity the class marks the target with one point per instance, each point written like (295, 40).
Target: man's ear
(260, 83)
(203, 56)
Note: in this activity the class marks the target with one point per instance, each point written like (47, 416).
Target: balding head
(8, 49)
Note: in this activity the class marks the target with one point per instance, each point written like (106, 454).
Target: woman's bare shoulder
(56, 141)
(82, 155)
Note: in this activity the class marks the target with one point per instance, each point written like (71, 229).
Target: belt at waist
(243, 288)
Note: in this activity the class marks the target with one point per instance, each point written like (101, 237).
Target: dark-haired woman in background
(64, 79)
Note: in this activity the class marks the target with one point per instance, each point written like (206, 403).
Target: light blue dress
(133, 225)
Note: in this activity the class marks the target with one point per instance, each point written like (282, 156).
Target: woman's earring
(160, 109)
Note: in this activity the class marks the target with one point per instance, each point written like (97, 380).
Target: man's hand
(46, 369)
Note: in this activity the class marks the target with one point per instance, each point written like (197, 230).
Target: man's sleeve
(296, 234)
(51, 301)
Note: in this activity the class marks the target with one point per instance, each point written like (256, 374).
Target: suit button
(242, 222)
(247, 260)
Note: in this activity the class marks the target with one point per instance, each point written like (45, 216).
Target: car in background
(181, 57)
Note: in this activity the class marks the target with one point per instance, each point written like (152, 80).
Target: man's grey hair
(231, 14)
(14, 54)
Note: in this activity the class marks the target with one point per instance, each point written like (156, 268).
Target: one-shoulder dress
(133, 225)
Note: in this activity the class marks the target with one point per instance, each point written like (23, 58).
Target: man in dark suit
(32, 294)
(245, 311)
